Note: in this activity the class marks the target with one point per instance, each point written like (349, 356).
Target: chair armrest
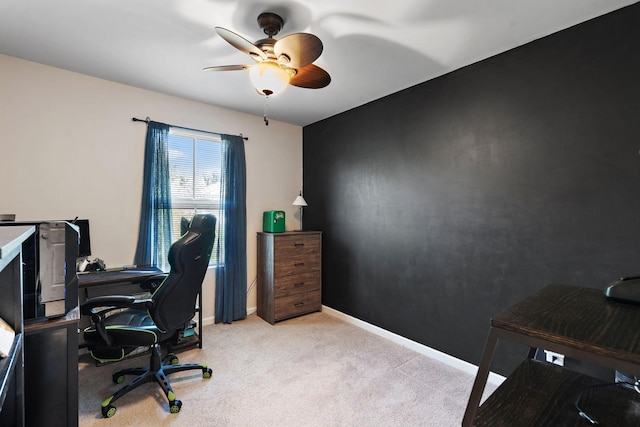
(98, 307)
(114, 301)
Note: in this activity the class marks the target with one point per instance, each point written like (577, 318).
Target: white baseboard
(462, 365)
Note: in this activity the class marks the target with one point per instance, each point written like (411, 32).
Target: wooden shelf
(542, 394)
(8, 367)
(12, 402)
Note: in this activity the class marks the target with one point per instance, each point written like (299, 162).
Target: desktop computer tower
(58, 292)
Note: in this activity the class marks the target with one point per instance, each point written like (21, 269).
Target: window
(195, 168)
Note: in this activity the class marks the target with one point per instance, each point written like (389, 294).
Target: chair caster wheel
(206, 373)
(108, 411)
(175, 406)
(172, 359)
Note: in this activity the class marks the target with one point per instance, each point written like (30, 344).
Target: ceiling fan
(278, 63)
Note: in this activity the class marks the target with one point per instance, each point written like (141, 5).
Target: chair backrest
(175, 298)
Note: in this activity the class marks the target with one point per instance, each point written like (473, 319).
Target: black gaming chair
(154, 321)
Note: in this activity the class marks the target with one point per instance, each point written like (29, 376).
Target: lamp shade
(300, 201)
(269, 78)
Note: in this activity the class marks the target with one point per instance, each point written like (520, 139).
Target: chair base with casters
(135, 322)
(157, 371)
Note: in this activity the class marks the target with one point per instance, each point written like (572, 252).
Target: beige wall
(68, 148)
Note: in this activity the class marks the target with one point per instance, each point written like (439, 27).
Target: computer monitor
(84, 244)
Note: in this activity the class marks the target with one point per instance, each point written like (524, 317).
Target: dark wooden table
(579, 323)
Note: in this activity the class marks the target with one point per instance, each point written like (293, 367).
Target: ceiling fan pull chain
(266, 107)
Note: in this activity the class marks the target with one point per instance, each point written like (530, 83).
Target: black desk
(579, 323)
(110, 277)
(39, 379)
(51, 371)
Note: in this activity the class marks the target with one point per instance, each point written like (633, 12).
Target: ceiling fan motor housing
(270, 23)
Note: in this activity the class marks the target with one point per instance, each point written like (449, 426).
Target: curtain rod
(147, 120)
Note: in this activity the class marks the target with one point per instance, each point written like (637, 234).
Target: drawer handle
(299, 304)
(297, 285)
(299, 245)
(299, 264)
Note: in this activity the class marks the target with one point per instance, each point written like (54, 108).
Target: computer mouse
(626, 289)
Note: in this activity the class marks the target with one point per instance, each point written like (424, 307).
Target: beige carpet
(314, 370)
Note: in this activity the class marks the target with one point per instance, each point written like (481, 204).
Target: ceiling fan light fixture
(284, 59)
(278, 63)
(268, 78)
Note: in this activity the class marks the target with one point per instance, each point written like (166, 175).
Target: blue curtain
(231, 274)
(154, 235)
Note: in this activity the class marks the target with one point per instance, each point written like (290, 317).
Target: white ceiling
(372, 48)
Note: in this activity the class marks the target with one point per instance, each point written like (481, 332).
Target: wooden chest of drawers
(289, 274)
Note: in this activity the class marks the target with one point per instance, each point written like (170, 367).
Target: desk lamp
(300, 202)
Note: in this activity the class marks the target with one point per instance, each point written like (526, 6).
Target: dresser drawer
(294, 305)
(297, 284)
(296, 265)
(295, 245)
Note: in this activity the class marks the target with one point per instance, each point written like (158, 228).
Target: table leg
(481, 379)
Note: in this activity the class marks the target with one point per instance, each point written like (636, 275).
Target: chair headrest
(202, 223)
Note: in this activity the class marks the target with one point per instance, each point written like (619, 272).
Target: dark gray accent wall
(445, 203)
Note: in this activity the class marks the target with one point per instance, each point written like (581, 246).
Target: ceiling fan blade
(298, 50)
(241, 43)
(311, 77)
(226, 68)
